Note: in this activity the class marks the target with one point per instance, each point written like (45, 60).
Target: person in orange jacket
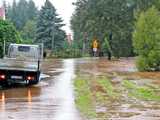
(95, 47)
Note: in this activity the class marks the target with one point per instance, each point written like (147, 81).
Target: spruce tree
(19, 13)
(32, 10)
(49, 27)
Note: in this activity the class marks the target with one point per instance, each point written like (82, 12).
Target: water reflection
(2, 102)
(51, 99)
(18, 96)
(29, 97)
(65, 93)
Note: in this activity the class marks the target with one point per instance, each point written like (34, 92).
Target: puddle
(51, 99)
(43, 76)
(65, 93)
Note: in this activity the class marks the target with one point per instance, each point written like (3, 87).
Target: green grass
(84, 99)
(87, 98)
(107, 87)
(141, 92)
(92, 92)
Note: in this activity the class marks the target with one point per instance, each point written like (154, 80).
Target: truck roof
(24, 45)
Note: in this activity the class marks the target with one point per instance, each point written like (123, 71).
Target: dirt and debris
(53, 98)
(122, 107)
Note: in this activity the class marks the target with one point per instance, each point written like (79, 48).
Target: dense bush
(69, 53)
(69, 50)
(146, 40)
(8, 34)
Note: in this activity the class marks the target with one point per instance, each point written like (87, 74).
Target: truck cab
(21, 64)
(28, 52)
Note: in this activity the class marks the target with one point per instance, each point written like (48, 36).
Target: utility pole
(84, 42)
(111, 35)
(53, 39)
(53, 36)
(4, 48)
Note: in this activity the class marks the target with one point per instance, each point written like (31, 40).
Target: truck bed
(20, 65)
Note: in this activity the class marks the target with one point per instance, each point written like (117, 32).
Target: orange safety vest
(95, 44)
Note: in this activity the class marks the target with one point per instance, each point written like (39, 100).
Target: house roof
(2, 13)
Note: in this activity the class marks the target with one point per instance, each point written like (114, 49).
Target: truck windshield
(23, 48)
(23, 52)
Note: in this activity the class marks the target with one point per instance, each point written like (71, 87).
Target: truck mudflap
(8, 77)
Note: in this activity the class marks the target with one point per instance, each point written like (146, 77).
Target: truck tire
(33, 82)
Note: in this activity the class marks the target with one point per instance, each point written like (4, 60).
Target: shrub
(8, 34)
(68, 53)
(146, 40)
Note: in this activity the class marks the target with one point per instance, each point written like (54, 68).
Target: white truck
(21, 65)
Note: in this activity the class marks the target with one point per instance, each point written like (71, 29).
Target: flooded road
(115, 101)
(51, 99)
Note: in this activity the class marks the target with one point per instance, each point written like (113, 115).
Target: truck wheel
(33, 82)
(5, 85)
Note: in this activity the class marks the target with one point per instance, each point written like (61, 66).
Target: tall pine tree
(20, 12)
(49, 27)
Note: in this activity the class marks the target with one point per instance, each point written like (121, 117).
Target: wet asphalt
(51, 99)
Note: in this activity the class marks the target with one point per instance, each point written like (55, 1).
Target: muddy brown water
(125, 108)
(53, 98)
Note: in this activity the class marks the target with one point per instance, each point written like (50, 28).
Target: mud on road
(119, 91)
(51, 99)
(54, 98)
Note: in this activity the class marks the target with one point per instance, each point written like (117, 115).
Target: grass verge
(107, 87)
(141, 92)
(91, 93)
(84, 98)
(96, 95)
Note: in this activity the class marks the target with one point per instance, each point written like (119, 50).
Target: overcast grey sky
(64, 9)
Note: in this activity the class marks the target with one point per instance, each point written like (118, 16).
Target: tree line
(33, 25)
(102, 18)
(123, 27)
